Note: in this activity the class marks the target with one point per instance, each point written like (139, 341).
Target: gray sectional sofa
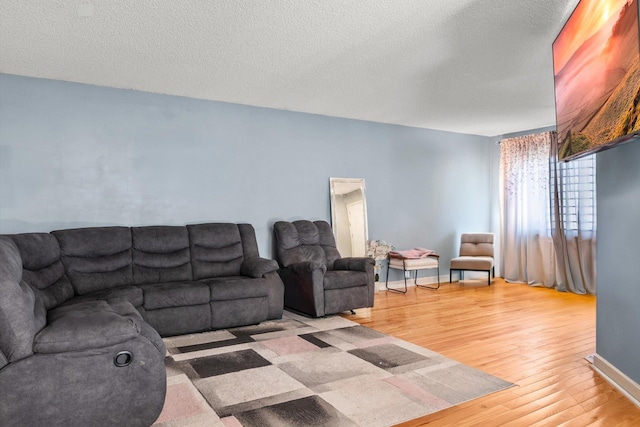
(82, 312)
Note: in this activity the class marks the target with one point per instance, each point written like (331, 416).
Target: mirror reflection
(349, 216)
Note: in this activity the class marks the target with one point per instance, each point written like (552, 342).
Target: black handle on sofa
(122, 359)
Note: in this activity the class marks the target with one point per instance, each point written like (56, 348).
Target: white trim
(617, 378)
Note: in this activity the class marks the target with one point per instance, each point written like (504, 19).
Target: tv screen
(596, 66)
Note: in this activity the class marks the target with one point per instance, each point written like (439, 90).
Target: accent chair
(476, 254)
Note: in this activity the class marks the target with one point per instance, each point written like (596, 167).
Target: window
(576, 200)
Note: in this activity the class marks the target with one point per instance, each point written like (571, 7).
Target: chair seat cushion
(174, 294)
(342, 279)
(237, 287)
(413, 264)
(471, 263)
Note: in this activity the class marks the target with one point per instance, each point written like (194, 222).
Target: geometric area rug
(298, 371)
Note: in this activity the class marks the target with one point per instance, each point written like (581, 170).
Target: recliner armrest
(353, 263)
(307, 267)
(258, 267)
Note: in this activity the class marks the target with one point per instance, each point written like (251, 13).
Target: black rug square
(387, 356)
(266, 328)
(315, 340)
(354, 334)
(215, 344)
(243, 335)
(228, 362)
(308, 411)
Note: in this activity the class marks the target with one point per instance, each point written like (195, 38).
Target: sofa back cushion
(249, 243)
(96, 258)
(216, 250)
(302, 240)
(161, 254)
(22, 315)
(42, 267)
(476, 244)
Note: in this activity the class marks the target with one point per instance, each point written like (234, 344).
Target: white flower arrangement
(378, 249)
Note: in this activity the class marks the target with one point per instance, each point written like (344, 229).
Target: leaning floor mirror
(349, 216)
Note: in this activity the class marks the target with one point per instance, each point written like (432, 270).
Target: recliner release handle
(122, 359)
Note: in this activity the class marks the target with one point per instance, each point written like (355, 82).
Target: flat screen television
(596, 66)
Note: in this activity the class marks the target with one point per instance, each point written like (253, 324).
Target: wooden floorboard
(536, 338)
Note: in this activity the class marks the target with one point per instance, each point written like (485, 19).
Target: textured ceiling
(473, 66)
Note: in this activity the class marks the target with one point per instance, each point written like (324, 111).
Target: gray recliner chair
(317, 280)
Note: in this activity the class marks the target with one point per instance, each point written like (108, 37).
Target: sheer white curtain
(527, 246)
(574, 222)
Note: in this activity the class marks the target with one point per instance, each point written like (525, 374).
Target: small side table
(413, 264)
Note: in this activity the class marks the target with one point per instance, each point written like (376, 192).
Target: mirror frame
(358, 183)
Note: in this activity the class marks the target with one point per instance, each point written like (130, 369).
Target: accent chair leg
(386, 284)
(404, 274)
(489, 278)
(396, 290)
(428, 287)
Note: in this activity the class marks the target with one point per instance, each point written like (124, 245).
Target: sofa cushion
(161, 254)
(180, 320)
(96, 258)
(236, 287)
(174, 294)
(132, 294)
(42, 267)
(238, 312)
(21, 314)
(89, 324)
(341, 279)
(303, 240)
(216, 250)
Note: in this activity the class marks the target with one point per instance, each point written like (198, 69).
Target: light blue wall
(75, 155)
(618, 303)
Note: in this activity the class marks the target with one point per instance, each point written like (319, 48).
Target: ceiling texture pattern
(480, 67)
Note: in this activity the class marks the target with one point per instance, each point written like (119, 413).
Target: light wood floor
(534, 337)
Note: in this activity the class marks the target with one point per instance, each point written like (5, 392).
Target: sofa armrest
(258, 267)
(304, 287)
(86, 325)
(353, 264)
(307, 267)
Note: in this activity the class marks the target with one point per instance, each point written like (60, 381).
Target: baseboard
(617, 378)
(399, 284)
